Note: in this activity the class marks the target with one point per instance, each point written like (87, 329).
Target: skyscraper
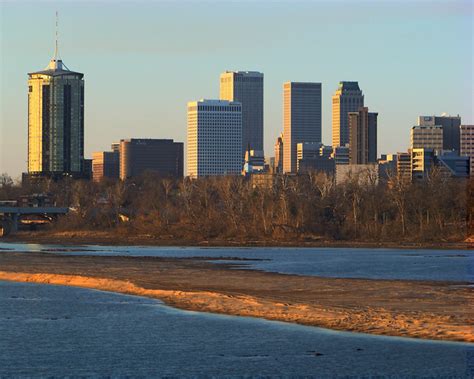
(214, 138)
(246, 87)
(301, 119)
(348, 98)
(55, 120)
(362, 136)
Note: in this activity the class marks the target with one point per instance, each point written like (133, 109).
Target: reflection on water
(451, 265)
(58, 331)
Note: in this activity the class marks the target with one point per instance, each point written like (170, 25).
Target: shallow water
(58, 331)
(408, 264)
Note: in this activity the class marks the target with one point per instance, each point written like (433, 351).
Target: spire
(56, 51)
(56, 63)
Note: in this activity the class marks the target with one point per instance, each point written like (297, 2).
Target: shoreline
(102, 238)
(427, 310)
(193, 301)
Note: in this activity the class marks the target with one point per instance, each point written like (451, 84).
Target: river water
(406, 264)
(62, 331)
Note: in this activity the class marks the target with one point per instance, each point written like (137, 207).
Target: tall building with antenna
(55, 120)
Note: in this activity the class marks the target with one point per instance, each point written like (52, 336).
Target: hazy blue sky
(144, 60)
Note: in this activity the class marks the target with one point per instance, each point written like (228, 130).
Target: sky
(144, 60)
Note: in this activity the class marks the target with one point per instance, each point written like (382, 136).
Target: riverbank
(115, 239)
(431, 310)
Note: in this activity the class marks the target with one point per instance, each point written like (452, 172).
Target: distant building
(246, 87)
(426, 137)
(214, 138)
(451, 129)
(422, 162)
(404, 167)
(161, 156)
(87, 169)
(348, 98)
(254, 162)
(279, 154)
(362, 136)
(301, 119)
(362, 174)
(55, 121)
(341, 155)
(467, 144)
(106, 164)
(387, 166)
(312, 156)
(453, 165)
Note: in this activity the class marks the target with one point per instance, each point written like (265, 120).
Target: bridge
(10, 215)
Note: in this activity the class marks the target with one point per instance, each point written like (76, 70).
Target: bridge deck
(33, 210)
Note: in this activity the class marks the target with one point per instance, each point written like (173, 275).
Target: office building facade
(467, 144)
(348, 98)
(362, 136)
(279, 154)
(160, 156)
(451, 129)
(341, 155)
(55, 121)
(246, 87)
(105, 164)
(214, 144)
(301, 119)
(426, 137)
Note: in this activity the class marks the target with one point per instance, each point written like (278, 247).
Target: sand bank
(428, 310)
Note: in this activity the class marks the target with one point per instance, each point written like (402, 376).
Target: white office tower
(214, 145)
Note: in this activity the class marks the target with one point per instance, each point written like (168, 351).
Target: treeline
(289, 208)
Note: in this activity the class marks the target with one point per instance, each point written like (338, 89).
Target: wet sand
(420, 309)
(121, 237)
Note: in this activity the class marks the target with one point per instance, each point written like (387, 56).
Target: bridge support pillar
(14, 226)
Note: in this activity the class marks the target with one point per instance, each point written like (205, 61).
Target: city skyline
(168, 120)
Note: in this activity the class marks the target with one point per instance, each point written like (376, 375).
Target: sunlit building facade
(427, 137)
(348, 98)
(55, 121)
(214, 144)
(246, 87)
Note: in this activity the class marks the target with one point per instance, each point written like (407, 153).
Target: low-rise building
(161, 156)
(362, 174)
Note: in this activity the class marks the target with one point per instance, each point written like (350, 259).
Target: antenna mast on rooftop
(56, 50)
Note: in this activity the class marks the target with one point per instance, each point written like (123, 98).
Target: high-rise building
(426, 137)
(279, 154)
(105, 164)
(348, 98)
(214, 138)
(467, 144)
(246, 87)
(301, 119)
(161, 156)
(362, 136)
(451, 129)
(55, 121)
